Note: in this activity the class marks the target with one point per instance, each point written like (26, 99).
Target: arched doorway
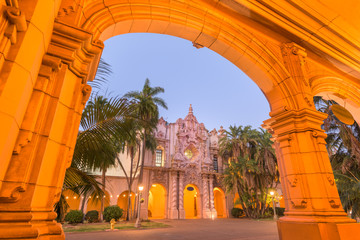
(94, 202)
(72, 199)
(123, 202)
(220, 203)
(191, 202)
(157, 202)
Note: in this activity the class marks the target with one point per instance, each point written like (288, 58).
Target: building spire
(190, 109)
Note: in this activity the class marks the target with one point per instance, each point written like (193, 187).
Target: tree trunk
(142, 159)
(102, 198)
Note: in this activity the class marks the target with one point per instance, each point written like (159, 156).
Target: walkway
(197, 229)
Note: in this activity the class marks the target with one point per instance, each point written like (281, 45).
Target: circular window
(188, 153)
(190, 189)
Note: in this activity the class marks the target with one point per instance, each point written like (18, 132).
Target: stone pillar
(181, 196)
(313, 207)
(31, 178)
(205, 197)
(212, 204)
(174, 213)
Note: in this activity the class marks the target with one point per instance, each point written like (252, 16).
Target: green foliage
(343, 145)
(113, 212)
(237, 212)
(92, 216)
(280, 211)
(252, 167)
(74, 216)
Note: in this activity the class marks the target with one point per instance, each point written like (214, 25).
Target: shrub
(112, 212)
(92, 216)
(74, 216)
(237, 212)
(280, 211)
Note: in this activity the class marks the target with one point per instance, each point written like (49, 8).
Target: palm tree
(106, 124)
(252, 167)
(147, 111)
(343, 145)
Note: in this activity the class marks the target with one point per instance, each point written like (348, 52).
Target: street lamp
(137, 223)
(272, 193)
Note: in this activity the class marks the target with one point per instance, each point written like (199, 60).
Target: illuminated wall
(156, 208)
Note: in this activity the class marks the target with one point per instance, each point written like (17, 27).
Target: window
(215, 162)
(158, 158)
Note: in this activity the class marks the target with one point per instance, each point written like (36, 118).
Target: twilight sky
(220, 93)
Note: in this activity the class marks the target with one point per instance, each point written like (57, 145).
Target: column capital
(286, 122)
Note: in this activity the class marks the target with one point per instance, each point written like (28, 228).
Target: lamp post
(272, 193)
(137, 223)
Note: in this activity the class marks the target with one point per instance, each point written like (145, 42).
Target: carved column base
(30, 225)
(181, 214)
(174, 214)
(206, 213)
(317, 230)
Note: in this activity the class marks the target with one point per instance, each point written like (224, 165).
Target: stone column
(174, 213)
(206, 198)
(181, 196)
(212, 206)
(31, 178)
(313, 207)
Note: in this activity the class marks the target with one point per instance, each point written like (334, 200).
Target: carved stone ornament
(334, 204)
(299, 203)
(292, 181)
(159, 176)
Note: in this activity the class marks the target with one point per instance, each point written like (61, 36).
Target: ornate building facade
(181, 179)
(187, 165)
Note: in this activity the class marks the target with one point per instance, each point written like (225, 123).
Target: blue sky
(220, 93)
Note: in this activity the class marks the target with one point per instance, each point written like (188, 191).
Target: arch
(244, 47)
(192, 201)
(220, 202)
(123, 202)
(343, 92)
(157, 202)
(72, 198)
(94, 202)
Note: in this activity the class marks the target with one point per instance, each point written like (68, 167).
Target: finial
(190, 109)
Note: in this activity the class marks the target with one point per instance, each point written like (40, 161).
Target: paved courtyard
(224, 229)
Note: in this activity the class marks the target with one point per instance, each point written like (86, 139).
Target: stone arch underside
(253, 54)
(334, 88)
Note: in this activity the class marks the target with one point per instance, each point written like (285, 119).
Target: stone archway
(44, 69)
(123, 202)
(220, 202)
(192, 203)
(94, 203)
(157, 201)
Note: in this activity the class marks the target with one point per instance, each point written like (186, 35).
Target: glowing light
(97, 196)
(141, 188)
(90, 197)
(104, 196)
(272, 193)
(117, 195)
(124, 195)
(130, 194)
(67, 197)
(74, 197)
(110, 195)
(154, 185)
